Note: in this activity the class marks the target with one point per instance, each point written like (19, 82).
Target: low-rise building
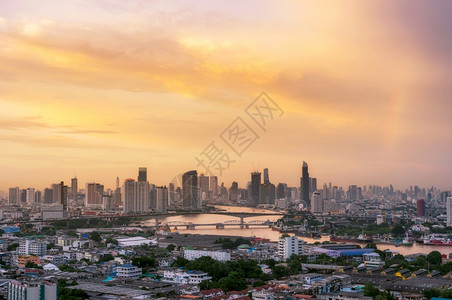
(32, 290)
(217, 255)
(128, 272)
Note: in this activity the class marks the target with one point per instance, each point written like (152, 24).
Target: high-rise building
(312, 184)
(30, 195)
(420, 205)
(267, 193)
(14, 196)
(305, 184)
(63, 189)
(214, 186)
(38, 197)
(48, 195)
(136, 196)
(281, 191)
(74, 186)
(190, 197)
(171, 194)
(449, 211)
(32, 290)
(234, 191)
(142, 174)
(266, 177)
(56, 193)
(353, 193)
(317, 202)
(117, 183)
(93, 195)
(290, 245)
(161, 199)
(255, 188)
(204, 186)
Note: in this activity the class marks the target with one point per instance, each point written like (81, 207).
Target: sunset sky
(98, 88)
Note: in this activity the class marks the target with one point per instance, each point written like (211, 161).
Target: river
(265, 231)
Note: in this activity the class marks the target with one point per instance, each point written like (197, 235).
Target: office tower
(190, 198)
(161, 199)
(255, 187)
(317, 202)
(30, 196)
(107, 202)
(56, 193)
(204, 186)
(136, 196)
(281, 191)
(23, 196)
(74, 186)
(267, 193)
(142, 174)
(449, 211)
(48, 195)
(420, 205)
(305, 184)
(38, 197)
(266, 177)
(287, 246)
(14, 196)
(117, 183)
(93, 195)
(171, 195)
(312, 184)
(234, 191)
(353, 193)
(63, 197)
(214, 186)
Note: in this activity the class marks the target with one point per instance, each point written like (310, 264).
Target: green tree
(31, 264)
(398, 230)
(371, 245)
(95, 236)
(144, 262)
(233, 282)
(171, 247)
(434, 258)
(371, 291)
(12, 247)
(429, 294)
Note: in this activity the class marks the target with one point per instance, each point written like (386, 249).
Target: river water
(265, 231)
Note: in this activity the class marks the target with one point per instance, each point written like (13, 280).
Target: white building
(262, 295)
(27, 247)
(128, 272)
(135, 196)
(290, 245)
(373, 260)
(185, 277)
(32, 290)
(449, 211)
(317, 202)
(217, 255)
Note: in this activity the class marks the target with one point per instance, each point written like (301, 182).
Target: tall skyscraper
(420, 205)
(255, 188)
(317, 202)
(190, 197)
(204, 186)
(117, 183)
(14, 196)
(93, 195)
(281, 191)
(161, 199)
(48, 195)
(214, 186)
(136, 196)
(56, 193)
(266, 177)
(313, 184)
(449, 211)
(30, 195)
(234, 191)
(305, 184)
(63, 189)
(142, 174)
(74, 186)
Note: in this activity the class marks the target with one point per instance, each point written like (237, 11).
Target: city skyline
(116, 85)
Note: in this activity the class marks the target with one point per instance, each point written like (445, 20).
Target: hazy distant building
(38, 196)
(449, 211)
(190, 194)
(304, 184)
(353, 194)
(56, 193)
(14, 196)
(234, 191)
(214, 186)
(281, 191)
(312, 184)
(266, 176)
(30, 196)
(74, 186)
(171, 194)
(93, 195)
(136, 196)
(142, 174)
(48, 195)
(317, 202)
(420, 206)
(161, 200)
(204, 186)
(267, 193)
(255, 188)
(107, 202)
